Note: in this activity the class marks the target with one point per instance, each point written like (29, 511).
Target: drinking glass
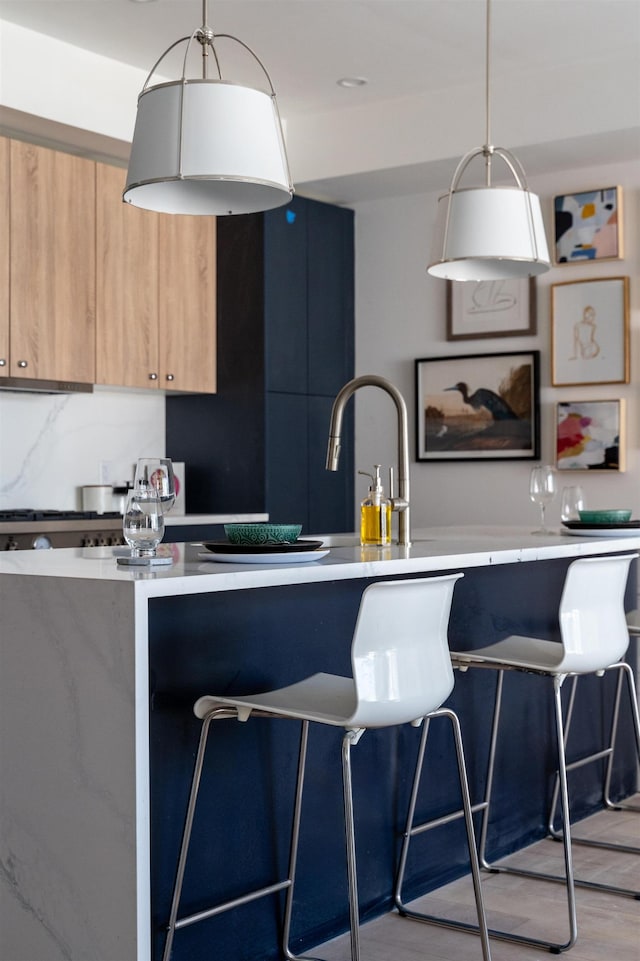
(143, 521)
(157, 472)
(573, 501)
(542, 489)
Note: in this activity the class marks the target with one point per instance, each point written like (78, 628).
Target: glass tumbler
(143, 521)
(573, 501)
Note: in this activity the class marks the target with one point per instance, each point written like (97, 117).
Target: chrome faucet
(400, 503)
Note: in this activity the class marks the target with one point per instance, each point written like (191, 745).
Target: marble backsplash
(53, 444)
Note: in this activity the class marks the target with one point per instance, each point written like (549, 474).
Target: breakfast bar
(101, 666)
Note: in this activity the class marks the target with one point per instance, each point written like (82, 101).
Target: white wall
(400, 316)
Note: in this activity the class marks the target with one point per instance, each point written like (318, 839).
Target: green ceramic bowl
(258, 534)
(605, 517)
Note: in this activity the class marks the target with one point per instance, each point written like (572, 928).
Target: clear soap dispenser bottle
(375, 513)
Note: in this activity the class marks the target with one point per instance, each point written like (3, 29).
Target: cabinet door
(285, 303)
(127, 286)
(330, 273)
(187, 303)
(53, 265)
(4, 257)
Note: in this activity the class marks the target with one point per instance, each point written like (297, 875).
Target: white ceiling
(404, 48)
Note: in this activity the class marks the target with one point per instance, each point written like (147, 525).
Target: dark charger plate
(224, 547)
(584, 525)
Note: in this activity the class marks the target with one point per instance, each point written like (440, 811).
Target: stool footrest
(445, 819)
(561, 879)
(234, 903)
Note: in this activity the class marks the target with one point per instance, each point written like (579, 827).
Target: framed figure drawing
(491, 308)
(590, 435)
(478, 407)
(588, 226)
(590, 332)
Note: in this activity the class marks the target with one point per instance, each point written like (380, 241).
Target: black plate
(224, 547)
(585, 525)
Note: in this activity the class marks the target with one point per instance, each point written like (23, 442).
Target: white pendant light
(488, 232)
(207, 146)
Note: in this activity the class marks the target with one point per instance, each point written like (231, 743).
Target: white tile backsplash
(52, 444)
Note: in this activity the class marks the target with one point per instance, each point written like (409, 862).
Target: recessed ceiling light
(352, 82)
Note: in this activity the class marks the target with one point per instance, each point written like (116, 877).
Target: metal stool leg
(624, 670)
(176, 923)
(412, 830)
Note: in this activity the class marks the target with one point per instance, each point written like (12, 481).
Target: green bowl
(259, 534)
(605, 517)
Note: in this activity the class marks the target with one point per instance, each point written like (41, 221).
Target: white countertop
(433, 549)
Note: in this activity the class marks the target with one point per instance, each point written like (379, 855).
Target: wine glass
(143, 521)
(542, 489)
(157, 472)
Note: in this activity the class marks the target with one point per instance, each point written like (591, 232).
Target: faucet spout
(401, 503)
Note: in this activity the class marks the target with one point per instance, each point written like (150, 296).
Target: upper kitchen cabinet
(127, 286)
(52, 265)
(187, 303)
(156, 295)
(4, 257)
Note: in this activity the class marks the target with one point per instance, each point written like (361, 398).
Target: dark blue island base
(253, 640)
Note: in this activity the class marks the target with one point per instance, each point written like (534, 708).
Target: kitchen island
(100, 667)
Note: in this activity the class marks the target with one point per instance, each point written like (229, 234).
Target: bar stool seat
(402, 673)
(594, 638)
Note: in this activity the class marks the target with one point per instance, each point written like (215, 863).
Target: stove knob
(41, 543)
(11, 545)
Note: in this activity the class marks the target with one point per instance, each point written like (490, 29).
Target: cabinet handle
(153, 376)
(22, 363)
(170, 377)
(3, 362)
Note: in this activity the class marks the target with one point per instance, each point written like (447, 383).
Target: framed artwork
(588, 226)
(478, 407)
(590, 435)
(491, 308)
(590, 332)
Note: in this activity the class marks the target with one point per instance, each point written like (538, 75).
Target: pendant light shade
(207, 146)
(489, 232)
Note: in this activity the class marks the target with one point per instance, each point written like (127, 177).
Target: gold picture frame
(590, 435)
(588, 226)
(590, 332)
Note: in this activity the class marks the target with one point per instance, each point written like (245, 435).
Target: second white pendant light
(489, 232)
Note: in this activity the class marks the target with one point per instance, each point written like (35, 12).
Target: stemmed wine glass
(157, 472)
(542, 489)
(143, 521)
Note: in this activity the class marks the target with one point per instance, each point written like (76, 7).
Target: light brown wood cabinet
(4, 257)
(156, 304)
(52, 265)
(127, 286)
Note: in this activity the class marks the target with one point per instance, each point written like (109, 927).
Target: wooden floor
(608, 925)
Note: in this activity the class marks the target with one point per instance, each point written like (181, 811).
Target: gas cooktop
(32, 516)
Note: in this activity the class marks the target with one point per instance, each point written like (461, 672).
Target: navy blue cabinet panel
(330, 270)
(285, 303)
(287, 473)
(331, 493)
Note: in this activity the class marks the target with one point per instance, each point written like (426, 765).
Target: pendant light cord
(488, 149)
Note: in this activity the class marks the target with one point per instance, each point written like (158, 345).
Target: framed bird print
(478, 407)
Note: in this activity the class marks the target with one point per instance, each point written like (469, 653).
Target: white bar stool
(402, 674)
(594, 638)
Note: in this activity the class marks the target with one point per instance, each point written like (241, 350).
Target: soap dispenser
(375, 513)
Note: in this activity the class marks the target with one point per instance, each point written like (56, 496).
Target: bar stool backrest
(400, 652)
(592, 619)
